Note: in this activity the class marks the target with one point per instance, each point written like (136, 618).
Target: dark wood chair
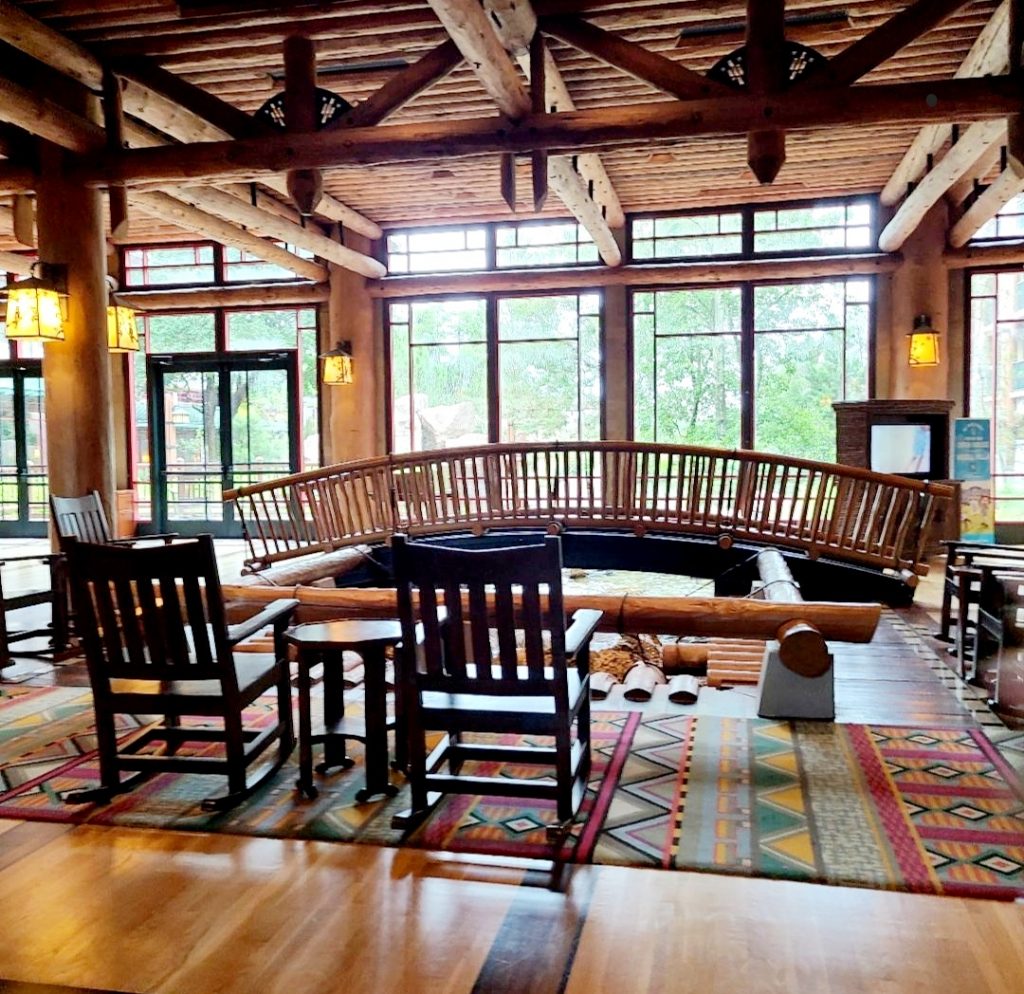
(53, 592)
(963, 588)
(999, 594)
(83, 518)
(157, 643)
(451, 681)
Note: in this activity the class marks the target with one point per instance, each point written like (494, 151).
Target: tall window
(686, 348)
(471, 370)
(801, 345)
(995, 364)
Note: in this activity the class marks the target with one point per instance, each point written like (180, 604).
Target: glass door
(218, 422)
(24, 490)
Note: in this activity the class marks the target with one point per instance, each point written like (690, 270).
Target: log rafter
(993, 199)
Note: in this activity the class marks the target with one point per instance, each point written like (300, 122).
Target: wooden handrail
(843, 512)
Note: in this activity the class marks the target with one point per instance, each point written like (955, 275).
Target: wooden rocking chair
(452, 682)
(156, 640)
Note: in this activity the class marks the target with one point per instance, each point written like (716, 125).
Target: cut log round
(802, 649)
(683, 689)
(601, 685)
(640, 682)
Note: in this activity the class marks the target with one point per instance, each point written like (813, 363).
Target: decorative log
(470, 29)
(988, 56)
(655, 275)
(601, 685)
(640, 682)
(595, 129)
(302, 294)
(191, 219)
(567, 184)
(957, 161)
(722, 616)
(683, 689)
(677, 656)
(766, 75)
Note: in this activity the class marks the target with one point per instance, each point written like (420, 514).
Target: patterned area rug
(927, 810)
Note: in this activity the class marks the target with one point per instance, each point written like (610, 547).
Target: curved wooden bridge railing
(823, 509)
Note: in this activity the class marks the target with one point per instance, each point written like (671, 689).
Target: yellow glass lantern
(924, 343)
(37, 307)
(122, 330)
(337, 365)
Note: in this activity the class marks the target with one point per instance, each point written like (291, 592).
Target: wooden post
(1015, 122)
(76, 371)
(766, 76)
(305, 186)
(353, 426)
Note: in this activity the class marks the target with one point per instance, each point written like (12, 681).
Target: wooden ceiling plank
(992, 200)
(588, 130)
(167, 208)
(649, 67)
(468, 26)
(767, 62)
(256, 219)
(402, 87)
(989, 55)
(954, 164)
(883, 42)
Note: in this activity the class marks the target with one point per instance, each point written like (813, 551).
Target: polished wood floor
(95, 909)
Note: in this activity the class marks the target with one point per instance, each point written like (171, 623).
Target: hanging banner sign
(972, 465)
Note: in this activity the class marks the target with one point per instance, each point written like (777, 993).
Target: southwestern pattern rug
(926, 810)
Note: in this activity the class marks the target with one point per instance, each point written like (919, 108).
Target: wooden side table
(326, 642)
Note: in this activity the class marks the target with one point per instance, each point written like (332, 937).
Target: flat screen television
(905, 449)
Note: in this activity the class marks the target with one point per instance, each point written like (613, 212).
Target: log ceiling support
(256, 295)
(956, 162)
(1015, 122)
(766, 76)
(305, 186)
(113, 121)
(479, 34)
(43, 117)
(882, 43)
(11, 262)
(993, 199)
(470, 28)
(400, 88)
(967, 183)
(23, 220)
(192, 219)
(649, 67)
(586, 130)
(537, 57)
(989, 55)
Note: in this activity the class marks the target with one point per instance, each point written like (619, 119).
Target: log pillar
(353, 414)
(921, 286)
(616, 394)
(76, 371)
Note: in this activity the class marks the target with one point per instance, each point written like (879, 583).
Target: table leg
(377, 781)
(305, 781)
(334, 710)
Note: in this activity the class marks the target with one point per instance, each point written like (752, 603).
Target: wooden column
(615, 338)
(920, 286)
(76, 371)
(353, 414)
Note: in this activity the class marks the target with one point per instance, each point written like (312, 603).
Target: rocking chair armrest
(580, 632)
(278, 613)
(165, 537)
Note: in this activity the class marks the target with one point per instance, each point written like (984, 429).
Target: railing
(824, 509)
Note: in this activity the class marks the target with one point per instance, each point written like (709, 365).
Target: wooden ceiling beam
(23, 32)
(167, 208)
(469, 27)
(1007, 185)
(635, 60)
(515, 24)
(767, 63)
(882, 43)
(954, 164)
(964, 187)
(231, 208)
(586, 130)
(989, 55)
(400, 88)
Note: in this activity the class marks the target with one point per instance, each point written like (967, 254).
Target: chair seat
(256, 673)
(538, 704)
